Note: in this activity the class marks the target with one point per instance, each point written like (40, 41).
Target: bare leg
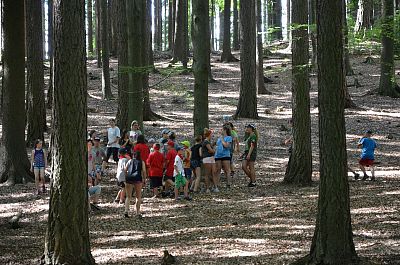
(245, 167)
(373, 172)
(42, 180)
(128, 193)
(37, 179)
(252, 171)
(215, 176)
(138, 193)
(226, 164)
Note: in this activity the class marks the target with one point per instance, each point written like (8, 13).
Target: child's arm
(250, 151)
(210, 149)
(144, 172)
(32, 158)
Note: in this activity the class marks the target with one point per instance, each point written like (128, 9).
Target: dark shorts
(112, 151)
(169, 177)
(195, 164)
(155, 182)
(188, 173)
(366, 162)
(121, 184)
(253, 156)
(228, 158)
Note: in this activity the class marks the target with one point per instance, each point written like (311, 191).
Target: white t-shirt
(133, 135)
(113, 134)
(121, 169)
(179, 164)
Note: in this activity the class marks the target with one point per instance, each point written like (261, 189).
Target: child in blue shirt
(367, 157)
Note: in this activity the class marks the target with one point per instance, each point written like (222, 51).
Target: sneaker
(232, 174)
(188, 198)
(373, 178)
(178, 199)
(251, 184)
(356, 176)
(365, 177)
(215, 190)
(126, 215)
(208, 191)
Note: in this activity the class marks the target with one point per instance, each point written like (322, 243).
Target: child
(195, 161)
(163, 142)
(121, 176)
(367, 154)
(113, 135)
(135, 178)
(179, 174)
(250, 154)
(155, 162)
(169, 165)
(186, 161)
(38, 165)
(135, 132)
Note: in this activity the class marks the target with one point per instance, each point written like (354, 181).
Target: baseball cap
(251, 126)
(186, 143)
(165, 131)
(178, 148)
(96, 138)
(151, 141)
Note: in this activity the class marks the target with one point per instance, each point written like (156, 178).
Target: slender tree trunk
(14, 164)
(260, 56)
(300, 162)
(364, 13)
(212, 25)
(171, 24)
(105, 56)
(98, 33)
(247, 106)
(113, 24)
(289, 22)
(181, 37)
(387, 81)
(36, 110)
(226, 49)
(333, 239)
(123, 79)
(313, 32)
(90, 25)
(236, 41)
(165, 26)
(276, 20)
(136, 14)
(67, 242)
(221, 29)
(201, 55)
(157, 25)
(50, 50)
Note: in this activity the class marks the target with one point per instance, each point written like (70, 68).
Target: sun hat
(186, 143)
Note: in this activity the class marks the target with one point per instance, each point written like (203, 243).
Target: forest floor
(269, 224)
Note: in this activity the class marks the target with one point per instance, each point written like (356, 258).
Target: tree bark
(276, 20)
(171, 23)
(333, 239)
(226, 49)
(260, 56)
(51, 55)
(201, 55)
(364, 16)
(105, 56)
(157, 25)
(387, 81)
(212, 26)
(136, 15)
(236, 41)
(313, 32)
(36, 109)
(299, 168)
(247, 106)
(289, 21)
(181, 38)
(67, 241)
(98, 33)
(14, 164)
(221, 28)
(113, 27)
(90, 25)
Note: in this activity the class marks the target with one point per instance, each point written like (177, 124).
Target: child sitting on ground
(368, 146)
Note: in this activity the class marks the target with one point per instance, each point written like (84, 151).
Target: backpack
(135, 171)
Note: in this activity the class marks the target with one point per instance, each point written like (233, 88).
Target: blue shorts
(94, 190)
(188, 173)
(195, 164)
(97, 170)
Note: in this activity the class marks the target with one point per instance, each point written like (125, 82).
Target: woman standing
(125, 142)
(135, 132)
(250, 154)
(223, 153)
(209, 161)
(135, 178)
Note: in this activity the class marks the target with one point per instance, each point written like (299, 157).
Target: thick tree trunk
(51, 55)
(14, 164)
(289, 22)
(212, 25)
(181, 38)
(387, 81)
(313, 32)
(226, 49)
(136, 15)
(235, 36)
(123, 79)
(113, 27)
(201, 51)
(90, 25)
(221, 29)
(260, 56)
(157, 25)
(36, 110)
(364, 16)
(67, 241)
(105, 56)
(333, 239)
(98, 32)
(171, 23)
(300, 163)
(276, 20)
(247, 105)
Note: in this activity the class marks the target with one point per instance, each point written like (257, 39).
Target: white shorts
(209, 160)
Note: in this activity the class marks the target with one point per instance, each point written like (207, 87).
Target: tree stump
(14, 221)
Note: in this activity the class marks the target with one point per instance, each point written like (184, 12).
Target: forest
(200, 132)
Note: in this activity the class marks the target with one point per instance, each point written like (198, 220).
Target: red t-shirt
(156, 164)
(144, 151)
(170, 160)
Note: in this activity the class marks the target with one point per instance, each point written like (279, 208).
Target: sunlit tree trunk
(90, 25)
(260, 56)
(235, 36)
(98, 32)
(181, 35)
(50, 51)
(105, 56)
(171, 23)
(226, 49)
(364, 16)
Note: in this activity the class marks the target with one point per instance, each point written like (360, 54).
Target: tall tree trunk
(136, 15)
(300, 162)
(181, 37)
(171, 24)
(36, 109)
(221, 29)
(51, 54)
(157, 25)
(67, 242)
(260, 56)
(14, 164)
(313, 32)
(247, 106)
(289, 22)
(113, 27)
(123, 78)
(212, 25)
(387, 81)
(276, 20)
(201, 55)
(226, 49)
(364, 16)
(105, 56)
(333, 239)
(236, 41)
(98, 32)
(90, 25)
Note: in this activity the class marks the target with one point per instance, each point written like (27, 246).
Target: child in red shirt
(155, 162)
(142, 147)
(169, 165)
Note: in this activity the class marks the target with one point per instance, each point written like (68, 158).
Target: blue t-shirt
(368, 148)
(223, 151)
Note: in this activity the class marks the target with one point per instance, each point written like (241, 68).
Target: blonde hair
(206, 132)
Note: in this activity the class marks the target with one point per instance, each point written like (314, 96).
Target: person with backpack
(135, 178)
